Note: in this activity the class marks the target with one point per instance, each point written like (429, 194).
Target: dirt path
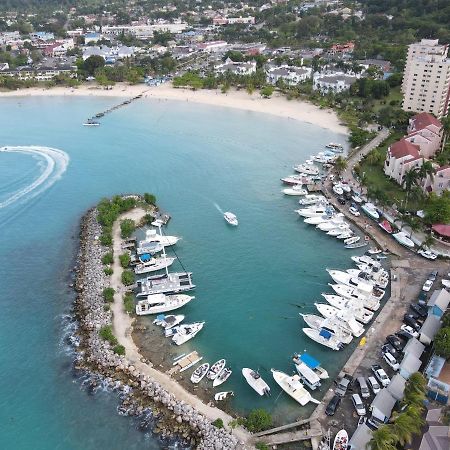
(123, 325)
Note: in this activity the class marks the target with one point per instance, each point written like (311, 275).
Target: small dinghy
(222, 377)
(356, 245)
(215, 369)
(223, 395)
(341, 440)
(374, 251)
(199, 373)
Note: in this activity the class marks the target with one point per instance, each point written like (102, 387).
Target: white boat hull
(293, 387)
(332, 343)
(258, 384)
(171, 303)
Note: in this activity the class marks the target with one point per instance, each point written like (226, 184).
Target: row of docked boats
(357, 295)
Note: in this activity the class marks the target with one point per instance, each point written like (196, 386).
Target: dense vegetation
(127, 277)
(108, 294)
(127, 227)
(128, 303)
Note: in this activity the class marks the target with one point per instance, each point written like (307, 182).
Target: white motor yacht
(231, 218)
(254, 379)
(293, 387)
(365, 259)
(333, 326)
(169, 283)
(295, 190)
(307, 169)
(222, 377)
(370, 210)
(154, 264)
(312, 211)
(344, 316)
(379, 278)
(307, 375)
(362, 314)
(324, 337)
(215, 369)
(312, 363)
(338, 148)
(293, 180)
(160, 303)
(350, 278)
(334, 225)
(316, 220)
(186, 332)
(403, 239)
(311, 199)
(348, 292)
(152, 239)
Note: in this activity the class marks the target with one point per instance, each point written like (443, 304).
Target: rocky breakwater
(96, 355)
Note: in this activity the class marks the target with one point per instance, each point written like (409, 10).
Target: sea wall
(96, 355)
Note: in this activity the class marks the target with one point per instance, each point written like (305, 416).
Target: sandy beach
(277, 105)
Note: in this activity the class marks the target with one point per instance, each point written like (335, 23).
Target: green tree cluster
(107, 335)
(119, 349)
(258, 420)
(128, 303)
(127, 277)
(108, 294)
(437, 209)
(125, 260)
(359, 137)
(218, 423)
(149, 199)
(189, 79)
(107, 258)
(370, 89)
(442, 342)
(127, 228)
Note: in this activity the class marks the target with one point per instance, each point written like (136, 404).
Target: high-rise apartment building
(426, 81)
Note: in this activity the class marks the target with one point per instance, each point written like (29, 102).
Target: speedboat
(313, 364)
(350, 293)
(199, 373)
(151, 238)
(222, 377)
(351, 240)
(317, 210)
(153, 265)
(231, 218)
(341, 441)
(379, 278)
(316, 220)
(427, 253)
(365, 259)
(356, 244)
(254, 379)
(338, 148)
(370, 210)
(91, 123)
(311, 199)
(403, 239)
(320, 323)
(295, 190)
(168, 321)
(359, 289)
(335, 232)
(344, 316)
(324, 337)
(386, 226)
(160, 303)
(362, 314)
(307, 169)
(374, 251)
(293, 387)
(345, 235)
(186, 332)
(306, 374)
(215, 369)
(223, 395)
(334, 225)
(171, 283)
(293, 180)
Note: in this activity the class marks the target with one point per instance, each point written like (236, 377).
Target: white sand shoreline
(278, 105)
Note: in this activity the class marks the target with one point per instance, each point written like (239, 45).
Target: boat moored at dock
(171, 283)
(293, 387)
(160, 303)
(254, 379)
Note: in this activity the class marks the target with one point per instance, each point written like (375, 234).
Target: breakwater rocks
(96, 355)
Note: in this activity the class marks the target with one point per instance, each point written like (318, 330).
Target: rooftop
(403, 148)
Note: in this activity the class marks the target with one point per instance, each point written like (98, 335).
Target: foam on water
(56, 164)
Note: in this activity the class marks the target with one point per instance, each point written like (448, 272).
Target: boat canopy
(309, 360)
(325, 334)
(156, 298)
(145, 257)
(160, 317)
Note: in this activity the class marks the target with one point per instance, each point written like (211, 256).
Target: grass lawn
(394, 95)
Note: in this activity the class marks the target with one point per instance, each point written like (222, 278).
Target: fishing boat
(222, 377)
(293, 180)
(403, 239)
(91, 123)
(160, 303)
(293, 387)
(231, 218)
(362, 314)
(307, 375)
(386, 226)
(345, 317)
(341, 440)
(351, 240)
(186, 332)
(152, 239)
(315, 210)
(223, 395)
(324, 337)
(379, 278)
(255, 381)
(215, 369)
(331, 325)
(153, 265)
(168, 283)
(295, 190)
(168, 321)
(199, 373)
(365, 259)
(313, 364)
(307, 169)
(370, 210)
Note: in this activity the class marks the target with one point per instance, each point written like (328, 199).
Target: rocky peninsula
(143, 392)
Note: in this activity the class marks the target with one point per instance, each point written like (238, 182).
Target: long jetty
(115, 107)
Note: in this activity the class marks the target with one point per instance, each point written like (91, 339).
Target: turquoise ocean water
(197, 160)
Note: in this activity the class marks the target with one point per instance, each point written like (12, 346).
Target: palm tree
(428, 241)
(409, 181)
(404, 426)
(416, 383)
(340, 164)
(383, 439)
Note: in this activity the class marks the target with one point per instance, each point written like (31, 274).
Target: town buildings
(236, 68)
(333, 82)
(426, 80)
(288, 74)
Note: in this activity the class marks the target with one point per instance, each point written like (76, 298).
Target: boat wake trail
(55, 164)
(219, 208)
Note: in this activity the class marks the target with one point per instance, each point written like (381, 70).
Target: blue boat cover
(325, 333)
(160, 317)
(311, 362)
(145, 257)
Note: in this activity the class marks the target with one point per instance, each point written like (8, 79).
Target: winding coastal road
(123, 325)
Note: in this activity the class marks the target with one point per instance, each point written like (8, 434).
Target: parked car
(391, 361)
(422, 299)
(354, 211)
(380, 375)
(342, 386)
(395, 342)
(373, 383)
(412, 332)
(388, 348)
(427, 253)
(433, 275)
(359, 405)
(427, 286)
(341, 200)
(421, 310)
(411, 321)
(333, 405)
(364, 389)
